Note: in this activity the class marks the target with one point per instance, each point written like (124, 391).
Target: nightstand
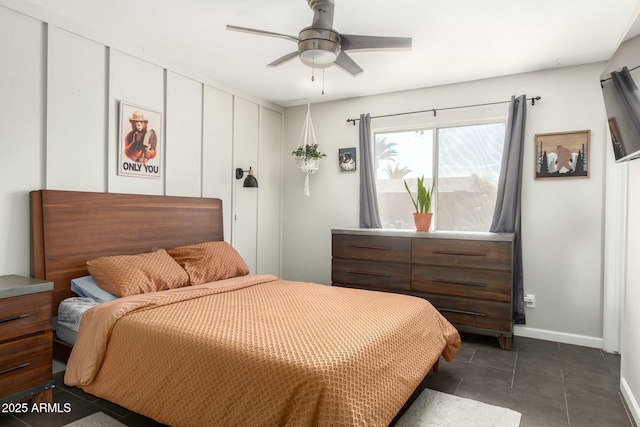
(25, 339)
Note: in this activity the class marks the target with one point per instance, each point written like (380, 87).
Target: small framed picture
(139, 142)
(562, 155)
(347, 159)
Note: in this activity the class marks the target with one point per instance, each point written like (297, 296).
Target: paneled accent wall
(22, 132)
(61, 85)
(245, 155)
(270, 161)
(183, 155)
(217, 150)
(76, 119)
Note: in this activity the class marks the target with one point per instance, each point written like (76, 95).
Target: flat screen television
(619, 83)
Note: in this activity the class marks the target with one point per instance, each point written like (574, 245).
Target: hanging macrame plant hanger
(308, 166)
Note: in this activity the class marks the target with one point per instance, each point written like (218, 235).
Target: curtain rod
(533, 100)
(609, 78)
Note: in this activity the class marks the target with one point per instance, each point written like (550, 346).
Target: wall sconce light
(250, 180)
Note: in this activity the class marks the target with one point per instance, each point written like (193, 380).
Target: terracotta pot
(422, 220)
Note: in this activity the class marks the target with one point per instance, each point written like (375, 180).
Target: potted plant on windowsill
(422, 215)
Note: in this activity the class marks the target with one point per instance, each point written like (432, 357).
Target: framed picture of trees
(562, 154)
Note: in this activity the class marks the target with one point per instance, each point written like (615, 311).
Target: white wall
(217, 150)
(22, 133)
(630, 369)
(183, 153)
(61, 86)
(562, 224)
(76, 141)
(245, 155)
(627, 55)
(269, 221)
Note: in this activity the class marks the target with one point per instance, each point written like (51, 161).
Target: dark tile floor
(549, 383)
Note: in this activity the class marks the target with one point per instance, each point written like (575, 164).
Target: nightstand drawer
(472, 312)
(373, 275)
(371, 248)
(25, 363)
(482, 284)
(462, 253)
(25, 315)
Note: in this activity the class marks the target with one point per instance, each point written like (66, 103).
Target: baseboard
(563, 337)
(630, 400)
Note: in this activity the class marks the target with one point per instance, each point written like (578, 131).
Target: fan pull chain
(313, 69)
(323, 81)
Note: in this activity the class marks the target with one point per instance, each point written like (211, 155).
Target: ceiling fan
(319, 46)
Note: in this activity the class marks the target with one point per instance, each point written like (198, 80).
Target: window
(466, 161)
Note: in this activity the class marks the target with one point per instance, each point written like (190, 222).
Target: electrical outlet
(530, 301)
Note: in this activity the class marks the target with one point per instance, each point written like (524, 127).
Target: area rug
(99, 419)
(433, 408)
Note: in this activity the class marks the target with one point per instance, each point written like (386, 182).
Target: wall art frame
(347, 159)
(562, 155)
(139, 141)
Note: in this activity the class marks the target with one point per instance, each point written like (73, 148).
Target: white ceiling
(453, 41)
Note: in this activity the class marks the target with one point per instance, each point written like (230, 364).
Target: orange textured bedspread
(260, 351)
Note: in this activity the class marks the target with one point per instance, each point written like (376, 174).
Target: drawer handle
(9, 319)
(453, 282)
(459, 253)
(380, 248)
(366, 273)
(15, 368)
(471, 313)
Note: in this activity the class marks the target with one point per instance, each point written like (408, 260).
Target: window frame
(436, 143)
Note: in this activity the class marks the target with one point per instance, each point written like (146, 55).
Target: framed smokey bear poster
(139, 141)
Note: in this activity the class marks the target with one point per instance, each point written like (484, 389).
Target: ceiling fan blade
(345, 63)
(288, 57)
(262, 33)
(354, 42)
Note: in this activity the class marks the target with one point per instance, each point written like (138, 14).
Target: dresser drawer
(24, 315)
(462, 253)
(472, 312)
(371, 274)
(25, 363)
(371, 248)
(483, 284)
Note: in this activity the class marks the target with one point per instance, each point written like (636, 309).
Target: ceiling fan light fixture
(318, 58)
(318, 48)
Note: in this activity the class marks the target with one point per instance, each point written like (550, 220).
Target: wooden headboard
(68, 228)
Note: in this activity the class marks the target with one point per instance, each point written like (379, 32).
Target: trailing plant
(308, 152)
(423, 204)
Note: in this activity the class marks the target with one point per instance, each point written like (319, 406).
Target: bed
(241, 350)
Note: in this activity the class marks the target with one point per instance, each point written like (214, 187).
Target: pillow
(124, 275)
(210, 261)
(87, 287)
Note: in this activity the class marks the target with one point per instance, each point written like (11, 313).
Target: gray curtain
(629, 95)
(369, 216)
(506, 217)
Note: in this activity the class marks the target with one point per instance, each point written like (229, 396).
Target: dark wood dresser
(25, 339)
(466, 276)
